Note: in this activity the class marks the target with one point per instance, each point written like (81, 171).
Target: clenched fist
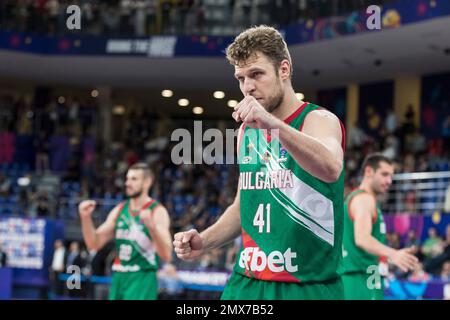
(188, 245)
(252, 113)
(86, 207)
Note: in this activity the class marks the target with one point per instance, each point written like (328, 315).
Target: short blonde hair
(147, 171)
(263, 39)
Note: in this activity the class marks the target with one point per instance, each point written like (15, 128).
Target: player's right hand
(405, 259)
(188, 245)
(86, 207)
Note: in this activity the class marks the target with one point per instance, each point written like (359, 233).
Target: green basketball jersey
(134, 247)
(291, 221)
(354, 258)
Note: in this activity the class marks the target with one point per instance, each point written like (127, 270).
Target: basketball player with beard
(289, 204)
(141, 229)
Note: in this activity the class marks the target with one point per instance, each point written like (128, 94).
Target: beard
(136, 194)
(378, 190)
(274, 102)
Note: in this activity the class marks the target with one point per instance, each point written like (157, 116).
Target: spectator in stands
(3, 258)
(139, 18)
(88, 157)
(409, 163)
(423, 165)
(151, 10)
(418, 274)
(52, 8)
(391, 121)
(42, 209)
(131, 157)
(432, 246)
(410, 201)
(57, 267)
(356, 137)
(394, 241)
(445, 273)
(412, 241)
(447, 200)
(415, 142)
(184, 8)
(246, 6)
(110, 19)
(74, 252)
(391, 146)
(41, 145)
(447, 236)
(434, 263)
(59, 151)
(409, 119)
(166, 10)
(5, 185)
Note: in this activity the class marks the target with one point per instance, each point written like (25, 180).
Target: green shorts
(357, 287)
(141, 285)
(240, 287)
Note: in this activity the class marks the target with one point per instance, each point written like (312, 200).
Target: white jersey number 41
(259, 221)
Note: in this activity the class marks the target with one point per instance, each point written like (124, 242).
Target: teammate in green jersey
(365, 255)
(289, 204)
(141, 229)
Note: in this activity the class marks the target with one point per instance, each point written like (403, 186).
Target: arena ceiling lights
(119, 110)
(219, 94)
(183, 102)
(232, 103)
(197, 110)
(167, 93)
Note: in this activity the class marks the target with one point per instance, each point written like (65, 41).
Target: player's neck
(288, 106)
(365, 185)
(138, 203)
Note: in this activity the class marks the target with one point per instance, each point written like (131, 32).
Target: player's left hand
(253, 114)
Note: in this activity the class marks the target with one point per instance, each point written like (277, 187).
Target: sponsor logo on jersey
(256, 260)
(283, 153)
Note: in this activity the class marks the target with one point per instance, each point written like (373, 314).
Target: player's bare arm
(317, 149)
(363, 208)
(158, 224)
(96, 238)
(190, 245)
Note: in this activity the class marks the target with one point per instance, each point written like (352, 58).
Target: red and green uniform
(136, 264)
(362, 272)
(291, 223)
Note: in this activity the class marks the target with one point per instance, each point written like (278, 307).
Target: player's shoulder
(118, 208)
(156, 206)
(159, 207)
(363, 198)
(321, 114)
